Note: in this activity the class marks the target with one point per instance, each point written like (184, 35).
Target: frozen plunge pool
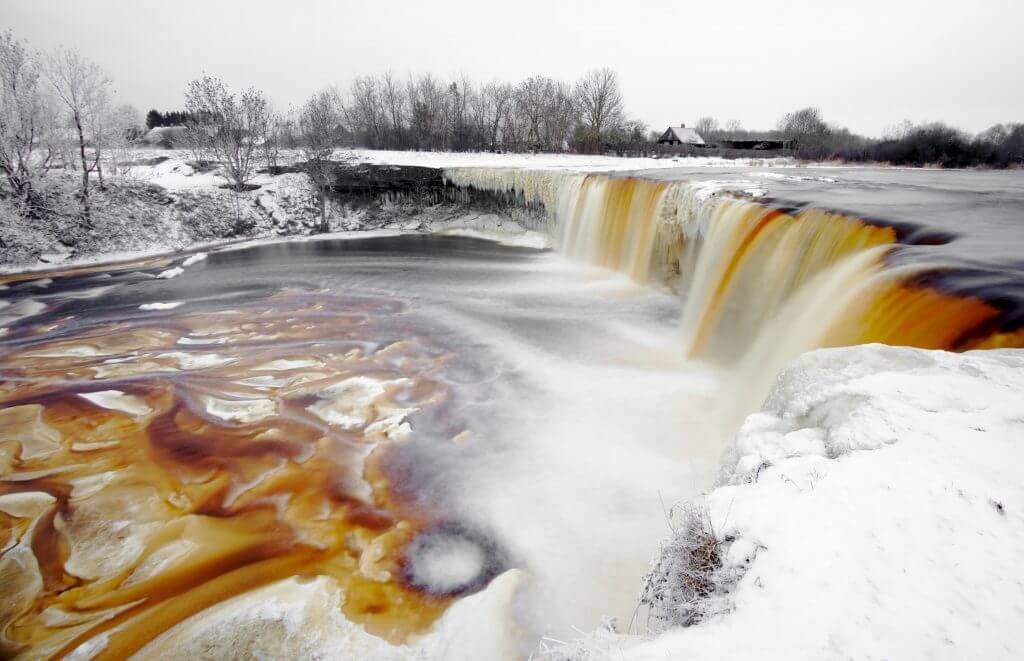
(409, 415)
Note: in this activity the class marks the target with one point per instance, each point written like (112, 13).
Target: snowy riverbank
(162, 202)
(873, 509)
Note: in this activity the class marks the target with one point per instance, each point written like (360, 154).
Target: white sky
(866, 63)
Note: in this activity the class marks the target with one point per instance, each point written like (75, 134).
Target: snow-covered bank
(872, 509)
(577, 162)
(165, 202)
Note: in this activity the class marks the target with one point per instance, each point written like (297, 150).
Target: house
(680, 135)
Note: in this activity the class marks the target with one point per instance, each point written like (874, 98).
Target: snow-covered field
(586, 162)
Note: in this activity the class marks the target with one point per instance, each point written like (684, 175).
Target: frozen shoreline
(872, 509)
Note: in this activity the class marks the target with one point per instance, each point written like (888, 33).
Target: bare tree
(559, 116)
(458, 125)
(23, 110)
(83, 90)
(366, 111)
(427, 99)
(707, 128)
(806, 131)
(600, 104)
(318, 123)
(233, 124)
(395, 104)
(733, 126)
(531, 102)
(493, 106)
(269, 132)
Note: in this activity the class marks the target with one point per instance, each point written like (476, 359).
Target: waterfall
(759, 282)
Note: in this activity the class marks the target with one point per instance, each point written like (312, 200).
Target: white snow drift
(877, 511)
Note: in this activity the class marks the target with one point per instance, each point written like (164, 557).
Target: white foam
(284, 364)
(117, 401)
(67, 351)
(446, 563)
(194, 259)
(171, 273)
(87, 294)
(170, 305)
(241, 410)
(196, 361)
(22, 309)
(348, 403)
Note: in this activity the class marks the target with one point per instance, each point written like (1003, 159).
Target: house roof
(683, 134)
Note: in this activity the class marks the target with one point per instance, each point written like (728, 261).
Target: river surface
(501, 404)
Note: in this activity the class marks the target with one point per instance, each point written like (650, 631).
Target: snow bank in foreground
(874, 509)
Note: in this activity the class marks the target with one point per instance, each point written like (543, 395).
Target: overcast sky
(866, 63)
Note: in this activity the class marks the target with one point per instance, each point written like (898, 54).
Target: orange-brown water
(249, 454)
(743, 265)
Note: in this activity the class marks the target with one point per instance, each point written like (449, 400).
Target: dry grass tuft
(687, 582)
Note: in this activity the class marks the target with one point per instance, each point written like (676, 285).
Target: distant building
(680, 135)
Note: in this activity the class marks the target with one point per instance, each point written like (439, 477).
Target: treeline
(544, 114)
(424, 112)
(934, 143)
(155, 118)
(536, 114)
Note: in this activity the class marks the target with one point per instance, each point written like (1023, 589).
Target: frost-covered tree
(270, 134)
(318, 123)
(232, 125)
(83, 89)
(23, 114)
(123, 128)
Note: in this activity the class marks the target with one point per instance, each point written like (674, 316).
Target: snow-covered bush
(689, 581)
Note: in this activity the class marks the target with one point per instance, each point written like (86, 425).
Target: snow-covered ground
(583, 162)
(874, 509)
